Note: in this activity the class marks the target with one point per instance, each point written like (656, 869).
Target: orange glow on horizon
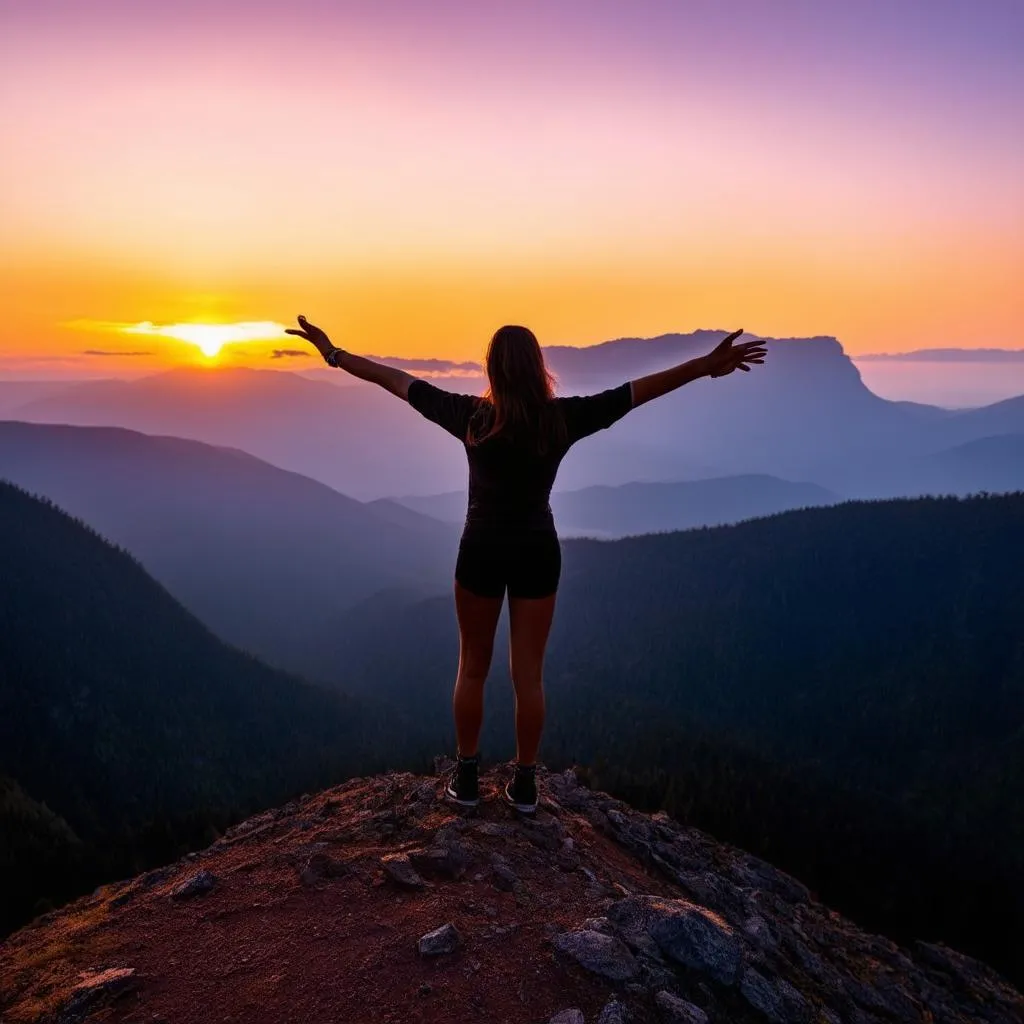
(427, 178)
(208, 338)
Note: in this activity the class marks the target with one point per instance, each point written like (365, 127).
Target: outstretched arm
(722, 360)
(388, 377)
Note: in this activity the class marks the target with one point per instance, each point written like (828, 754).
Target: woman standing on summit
(515, 438)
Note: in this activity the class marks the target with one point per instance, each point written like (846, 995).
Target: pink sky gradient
(415, 175)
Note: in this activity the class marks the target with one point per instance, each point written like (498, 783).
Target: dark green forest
(128, 732)
(838, 690)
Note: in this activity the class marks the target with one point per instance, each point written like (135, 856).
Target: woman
(515, 438)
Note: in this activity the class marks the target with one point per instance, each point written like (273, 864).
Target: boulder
(676, 1008)
(689, 934)
(399, 869)
(605, 955)
(96, 989)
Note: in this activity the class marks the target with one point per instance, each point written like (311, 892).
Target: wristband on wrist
(331, 359)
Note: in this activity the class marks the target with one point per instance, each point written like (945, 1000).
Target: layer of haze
(415, 174)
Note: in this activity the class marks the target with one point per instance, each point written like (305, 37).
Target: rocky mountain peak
(378, 901)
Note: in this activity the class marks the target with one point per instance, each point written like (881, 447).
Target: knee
(474, 671)
(527, 678)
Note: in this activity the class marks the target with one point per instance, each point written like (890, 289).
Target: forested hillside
(840, 690)
(133, 725)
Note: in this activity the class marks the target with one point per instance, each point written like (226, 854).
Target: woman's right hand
(726, 357)
(313, 334)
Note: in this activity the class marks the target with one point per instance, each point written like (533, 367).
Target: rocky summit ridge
(378, 901)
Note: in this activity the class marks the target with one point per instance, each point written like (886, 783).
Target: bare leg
(478, 619)
(529, 626)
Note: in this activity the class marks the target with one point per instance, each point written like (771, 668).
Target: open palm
(311, 333)
(726, 356)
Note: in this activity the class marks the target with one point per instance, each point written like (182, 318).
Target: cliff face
(377, 901)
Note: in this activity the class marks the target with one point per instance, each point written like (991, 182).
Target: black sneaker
(463, 784)
(521, 792)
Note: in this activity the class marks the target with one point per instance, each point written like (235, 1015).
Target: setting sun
(209, 338)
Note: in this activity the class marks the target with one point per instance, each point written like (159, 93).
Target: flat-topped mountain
(376, 901)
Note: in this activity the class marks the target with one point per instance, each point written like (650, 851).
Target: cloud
(289, 353)
(204, 334)
(107, 352)
(946, 355)
(435, 366)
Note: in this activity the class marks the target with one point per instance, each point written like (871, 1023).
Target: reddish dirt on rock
(264, 947)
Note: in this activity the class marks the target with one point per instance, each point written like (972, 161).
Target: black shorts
(527, 563)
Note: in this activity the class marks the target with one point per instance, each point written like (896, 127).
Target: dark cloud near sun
(111, 352)
(289, 353)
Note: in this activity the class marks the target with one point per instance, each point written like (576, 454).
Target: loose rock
(779, 1004)
(198, 884)
(95, 989)
(440, 941)
(572, 1016)
(399, 869)
(606, 955)
(504, 877)
(614, 1012)
(320, 867)
(679, 1009)
(448, 861)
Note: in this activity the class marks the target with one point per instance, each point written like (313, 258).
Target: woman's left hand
(313, 334)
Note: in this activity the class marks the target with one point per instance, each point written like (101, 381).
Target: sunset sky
(414, 174)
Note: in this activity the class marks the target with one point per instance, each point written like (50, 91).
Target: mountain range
(268, 559)
(627, 509)
(263, 556)
(806, 415)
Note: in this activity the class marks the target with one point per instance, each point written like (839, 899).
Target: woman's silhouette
(515, 438)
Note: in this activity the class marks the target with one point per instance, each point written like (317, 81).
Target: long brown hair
(519, 400)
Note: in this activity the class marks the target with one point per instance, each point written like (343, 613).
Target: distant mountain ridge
(636, 508)
(806, 415)
(263, 556)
